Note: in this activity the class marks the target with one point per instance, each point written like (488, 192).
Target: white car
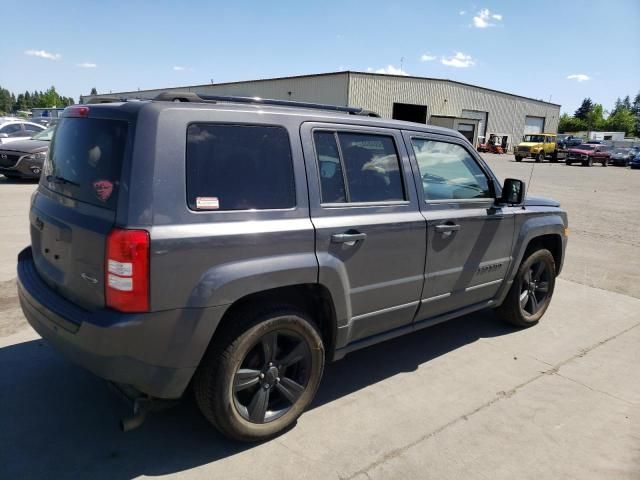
(12, 130)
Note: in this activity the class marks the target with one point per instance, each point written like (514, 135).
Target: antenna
(526, 190)
(401, 62)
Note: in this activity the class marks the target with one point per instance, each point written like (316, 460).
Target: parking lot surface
(470, 398)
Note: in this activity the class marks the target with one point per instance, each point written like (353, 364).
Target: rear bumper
(156, 353)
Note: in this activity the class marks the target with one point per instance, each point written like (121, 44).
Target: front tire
(531, 291)
(260, 373)
(540, 157)
(518, 159)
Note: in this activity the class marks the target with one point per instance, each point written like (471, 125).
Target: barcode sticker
(207, 203)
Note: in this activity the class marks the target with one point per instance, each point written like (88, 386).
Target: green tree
(622, 121)
(6, 104)
(569, 124)
(595, 118)
(627, 102)
(94, 91)
(584, 109)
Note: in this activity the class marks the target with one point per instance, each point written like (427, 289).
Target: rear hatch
(75, 206)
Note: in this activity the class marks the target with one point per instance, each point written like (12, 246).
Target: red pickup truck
(588, 153)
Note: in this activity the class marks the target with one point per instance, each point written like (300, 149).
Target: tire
(588, 163)
(527, 314)
(605, 162)
(554, 157)
(245, 345)
(540, 157)
(518, 159)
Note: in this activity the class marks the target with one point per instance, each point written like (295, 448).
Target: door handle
(347, 237)
(447, 228)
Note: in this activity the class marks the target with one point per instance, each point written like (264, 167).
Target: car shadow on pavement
(59, 421)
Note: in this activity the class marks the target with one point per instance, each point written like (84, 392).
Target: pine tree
(585, 109)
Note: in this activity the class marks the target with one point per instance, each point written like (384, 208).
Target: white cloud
(388, 70)
(87, 65)
(427, 58)
(483, 18)
(580, 77)
(178, 69)
(459, 60)
(462, 12)
(43, 54)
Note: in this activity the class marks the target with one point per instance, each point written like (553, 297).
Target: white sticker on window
(207, 203)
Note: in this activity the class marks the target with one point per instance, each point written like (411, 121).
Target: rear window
(239, 167)
(85, 160)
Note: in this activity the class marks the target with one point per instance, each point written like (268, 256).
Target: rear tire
(518, 159)
(554, 157)
(531, 291)
(260, 373)
(540, 157)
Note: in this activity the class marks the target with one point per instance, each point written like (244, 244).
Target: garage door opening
(409, 112)
(533, 125)
(468, 130)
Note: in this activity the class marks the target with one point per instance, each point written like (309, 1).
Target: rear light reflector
(127, 270)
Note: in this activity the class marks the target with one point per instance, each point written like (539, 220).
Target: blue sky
(588, 48)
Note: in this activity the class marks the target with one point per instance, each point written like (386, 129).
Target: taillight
(127, 270)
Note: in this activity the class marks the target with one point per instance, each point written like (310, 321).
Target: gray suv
(233, 245)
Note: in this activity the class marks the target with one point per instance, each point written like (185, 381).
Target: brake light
(127, 270)
(80, 111)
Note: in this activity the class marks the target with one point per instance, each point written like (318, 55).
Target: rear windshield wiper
(59, 179)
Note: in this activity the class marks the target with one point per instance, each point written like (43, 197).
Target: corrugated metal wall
(506, 112)
(330, 89)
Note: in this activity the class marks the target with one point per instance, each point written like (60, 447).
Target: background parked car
(635, 163)
(14, 130)
(622, 156)
(25, 158)
(573, 142)
(588, 153)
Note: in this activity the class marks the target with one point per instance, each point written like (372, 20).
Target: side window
(372, 166)
(449, 172)
(368, 163)
(239, 167)
(32, 128)
(330, 168)
(12, 129)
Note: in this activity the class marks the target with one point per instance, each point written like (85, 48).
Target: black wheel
(588, 163)
(531, 290)
(554, 157)
(518, 159)
(260, 374)
(540, 157)
(605, 162)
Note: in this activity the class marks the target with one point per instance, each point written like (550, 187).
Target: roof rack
(194, 97)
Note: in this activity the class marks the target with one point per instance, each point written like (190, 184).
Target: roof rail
(194, 97)
(106, 100)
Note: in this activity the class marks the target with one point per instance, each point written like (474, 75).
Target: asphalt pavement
(470, 398)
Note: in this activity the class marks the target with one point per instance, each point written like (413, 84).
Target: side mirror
(513, 192)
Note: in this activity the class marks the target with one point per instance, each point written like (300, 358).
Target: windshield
(621, 150)
(44, 135)
(534, 138)
(586, 146)
(85, 160)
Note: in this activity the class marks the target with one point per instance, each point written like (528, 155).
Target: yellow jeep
(538, 146)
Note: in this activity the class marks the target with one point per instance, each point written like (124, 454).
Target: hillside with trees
(11, 103)
(590, 116)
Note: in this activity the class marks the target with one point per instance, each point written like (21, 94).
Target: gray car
(25, 158)
(234, 245)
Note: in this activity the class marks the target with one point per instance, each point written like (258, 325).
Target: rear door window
(368, 163)
(85, 160)
(239, 167)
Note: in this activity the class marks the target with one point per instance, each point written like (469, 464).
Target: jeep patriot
(233, 245)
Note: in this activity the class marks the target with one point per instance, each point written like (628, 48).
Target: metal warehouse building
(472, 110)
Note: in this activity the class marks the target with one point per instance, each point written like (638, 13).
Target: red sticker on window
(103, 189)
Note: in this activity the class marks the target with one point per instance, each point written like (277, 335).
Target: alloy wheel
(534, 288)
(272, 376)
